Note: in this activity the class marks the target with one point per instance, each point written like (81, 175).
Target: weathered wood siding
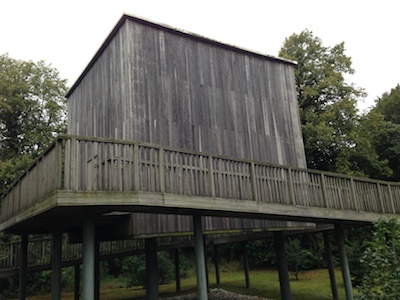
(161, 86)
(149, 224)
(157, 85)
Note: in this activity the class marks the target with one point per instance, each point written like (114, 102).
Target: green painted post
(282, 265)
(56, 265)
(150, 247)
(329, 261)
(343, 261)
(88, 259)
(23, 265)
(199, 257)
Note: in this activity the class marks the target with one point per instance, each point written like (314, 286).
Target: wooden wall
(161, 86)
(154, 84)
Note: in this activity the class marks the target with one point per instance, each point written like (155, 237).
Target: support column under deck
(246, 265)
(329, 261)
(88, 259)
(23, 266)
(282, 265)
(199, 256)
(97, 268)
(56, 265)
(150, 248)
(177, 271)
(77, 281)
(216, 262)
(343, 261)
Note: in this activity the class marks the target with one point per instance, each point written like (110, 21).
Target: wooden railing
(40, 252)
(94, 164)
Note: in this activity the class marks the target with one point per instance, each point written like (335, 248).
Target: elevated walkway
(117, 176)
(85, 186)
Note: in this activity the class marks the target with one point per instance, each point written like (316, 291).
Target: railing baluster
(380, 198)
(136, 168)
(253, 182)
(161, 169)
(353, 197)
(391, 198)
(290, 186)
(211, 176)
(323, 190)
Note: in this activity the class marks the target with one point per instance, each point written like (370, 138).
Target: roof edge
(171, 29)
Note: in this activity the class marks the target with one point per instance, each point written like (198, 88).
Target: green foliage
(327, 103)
(336, 138)
(297, 257)
(386, 139)
(365, 159)
(261, 253)
(135, 266)
(389, 105)
(382, 267)
(356, 243)
(32, 112)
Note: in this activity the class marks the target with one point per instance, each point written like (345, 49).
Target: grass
(313, 284)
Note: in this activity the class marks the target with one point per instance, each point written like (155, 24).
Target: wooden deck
(118, 175)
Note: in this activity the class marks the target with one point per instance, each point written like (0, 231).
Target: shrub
(135, 268)
(382, 268)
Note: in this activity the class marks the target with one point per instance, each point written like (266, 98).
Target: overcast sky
(67, 34)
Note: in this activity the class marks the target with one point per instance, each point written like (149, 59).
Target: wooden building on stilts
(174, 137)
(158, 85)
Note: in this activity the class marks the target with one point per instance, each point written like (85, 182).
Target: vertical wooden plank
(161, 170)
(391, 199)
(99, 165)
(380, 198)
(290, 186)
(71, 176)
(323, 190)
(136, 168)
(353, 196)
(211, 181)
(253, 182)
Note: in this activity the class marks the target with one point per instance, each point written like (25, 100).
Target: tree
(32, 112)
(327, 103)
(387, 138)
(389, 105)
(366, 159)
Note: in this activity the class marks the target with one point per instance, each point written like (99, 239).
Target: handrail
(80, 163)
(40, 251)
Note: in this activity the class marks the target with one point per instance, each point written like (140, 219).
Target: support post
(56, 265)
(199, 257)
(246, 265)
(177, 271)
(216, 262)
(282, 265)
(23, 265)
(77, 281)
(97, 269)
(206, 259)
(343, 261)
(150, 247)
(88, 259)
(329, 261)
